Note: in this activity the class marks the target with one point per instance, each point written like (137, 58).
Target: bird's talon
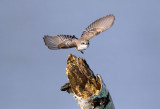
(82, 52)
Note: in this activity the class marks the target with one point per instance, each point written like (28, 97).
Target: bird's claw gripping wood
(88, 89)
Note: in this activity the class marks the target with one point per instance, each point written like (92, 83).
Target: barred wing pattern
(59, 41)
(98, 26)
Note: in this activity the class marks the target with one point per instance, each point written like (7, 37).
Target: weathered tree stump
(89, 90)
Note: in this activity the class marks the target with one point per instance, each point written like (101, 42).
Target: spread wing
(98, 26)
(60, 41)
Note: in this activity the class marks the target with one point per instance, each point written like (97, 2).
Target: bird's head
(84, 42)
(82, 45)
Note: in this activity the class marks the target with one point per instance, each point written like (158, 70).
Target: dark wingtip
(112, 15)
(44, 39)
(45, 36)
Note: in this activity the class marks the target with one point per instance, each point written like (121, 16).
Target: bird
(70, 41)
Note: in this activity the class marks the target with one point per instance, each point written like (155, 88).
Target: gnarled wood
(88, 89)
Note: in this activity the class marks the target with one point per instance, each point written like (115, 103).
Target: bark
(89, 90)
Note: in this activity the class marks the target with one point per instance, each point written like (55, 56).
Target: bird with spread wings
(70, 41)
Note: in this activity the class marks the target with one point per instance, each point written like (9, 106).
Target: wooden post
(89, 90)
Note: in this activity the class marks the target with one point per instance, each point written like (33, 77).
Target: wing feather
(98, 26)
(59, 41)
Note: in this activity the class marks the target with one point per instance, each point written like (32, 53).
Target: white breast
(82, 47)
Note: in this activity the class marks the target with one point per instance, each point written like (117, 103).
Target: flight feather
(60, 41)
(98, 26)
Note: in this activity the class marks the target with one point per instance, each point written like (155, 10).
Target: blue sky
(127, 55)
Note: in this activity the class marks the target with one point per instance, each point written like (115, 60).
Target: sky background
(127, 56)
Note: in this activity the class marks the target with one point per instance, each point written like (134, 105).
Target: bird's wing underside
(60, 41)
(98, 26)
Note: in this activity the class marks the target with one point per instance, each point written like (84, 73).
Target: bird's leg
(82, 52)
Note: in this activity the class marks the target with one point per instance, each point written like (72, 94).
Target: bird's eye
(83, 43)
